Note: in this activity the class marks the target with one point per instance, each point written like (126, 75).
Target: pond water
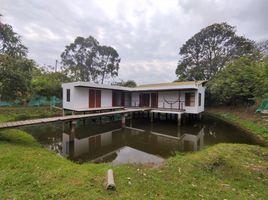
(139, 142)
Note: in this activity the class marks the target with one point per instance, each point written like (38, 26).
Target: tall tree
(10, 42)
(86, 60)
(15, 68)
(78, 59)
(210, 50)
(108, 62)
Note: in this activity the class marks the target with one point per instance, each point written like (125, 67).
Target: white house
(188, 97)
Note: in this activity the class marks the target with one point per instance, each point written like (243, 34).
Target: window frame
(190, 100)
(199, 99)
(68, 95)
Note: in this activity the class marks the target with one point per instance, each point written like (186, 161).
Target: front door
(98, 98)
(154, 100)
(144, 100)
(94, 98)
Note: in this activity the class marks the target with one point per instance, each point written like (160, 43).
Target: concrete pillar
(179, 132)
(73, 127)
(152, 117)
(179, 119)
(200, 116)
(123, 120)
(63, 112)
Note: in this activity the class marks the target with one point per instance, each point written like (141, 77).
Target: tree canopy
(86, 60)
(46, 83)
(15, 68)
(10, 42)
(210, 50)
(241, 82)
(15, 77)
(128, 83)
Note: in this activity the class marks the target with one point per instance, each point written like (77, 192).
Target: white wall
(135, 99)
(81, 96)
(173, 96)
(106, 98)
(65, 104)
(127, 99)
(202, 91)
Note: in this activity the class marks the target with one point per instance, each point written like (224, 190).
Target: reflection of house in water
(127, 145)
(194, 142)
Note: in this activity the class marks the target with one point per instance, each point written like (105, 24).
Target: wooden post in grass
(110, 180)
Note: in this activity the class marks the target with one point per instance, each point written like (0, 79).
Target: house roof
(147, 87)
(176, 83)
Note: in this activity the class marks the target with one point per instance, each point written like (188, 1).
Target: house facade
(178, 96)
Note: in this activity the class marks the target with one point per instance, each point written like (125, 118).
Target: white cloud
(146, 33)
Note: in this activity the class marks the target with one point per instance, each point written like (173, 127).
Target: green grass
(224, 171)
(258, 128)
(23, 113)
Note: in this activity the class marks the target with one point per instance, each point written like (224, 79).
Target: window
(189, 99)
(199, 99)
(68, 95)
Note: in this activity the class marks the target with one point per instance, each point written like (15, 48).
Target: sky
(147, 34)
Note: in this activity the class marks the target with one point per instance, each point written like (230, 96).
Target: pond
(139, 142)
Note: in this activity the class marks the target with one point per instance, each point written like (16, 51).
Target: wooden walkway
(67, 118)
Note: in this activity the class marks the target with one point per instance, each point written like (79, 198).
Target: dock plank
(68, 117)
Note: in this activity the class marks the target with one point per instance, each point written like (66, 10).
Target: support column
(179, 119)
(73, 127)
(200, 116)
(151, 116)
(123, 120)
(63, 112)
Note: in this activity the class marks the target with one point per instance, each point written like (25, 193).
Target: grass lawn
(22, 113)
(254, 123)
(224, 171)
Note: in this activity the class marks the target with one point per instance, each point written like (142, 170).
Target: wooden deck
(67, 118)
(98, 109)
(168, 111)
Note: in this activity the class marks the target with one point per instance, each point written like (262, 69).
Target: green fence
(263, 106)
(35, 101)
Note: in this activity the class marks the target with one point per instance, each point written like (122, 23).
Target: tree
(15, 77)
(239, 83)
(263, 47)
(10, 42)
(48, 84)
(108, 62)
(129, 83)
(210, 50)
(78, 59)
(15, 68)
(86, 60)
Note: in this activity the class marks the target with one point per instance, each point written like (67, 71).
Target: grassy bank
(22, 113)
(224, 171)
(253, 123)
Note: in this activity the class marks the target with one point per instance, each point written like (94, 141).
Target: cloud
(146, 33)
